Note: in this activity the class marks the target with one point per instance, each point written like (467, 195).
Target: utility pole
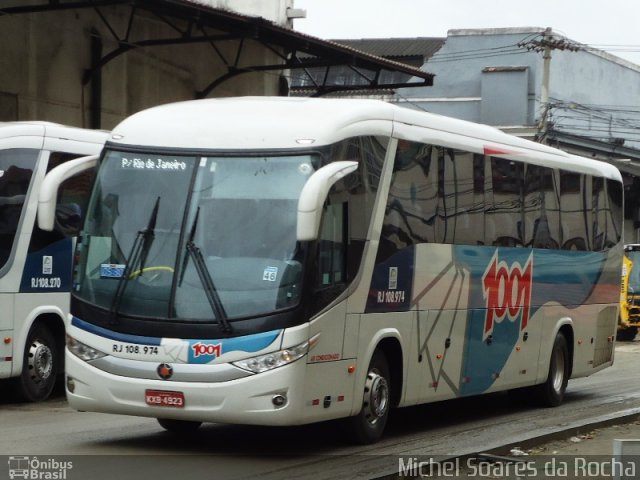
(544, 89)
(545, 45)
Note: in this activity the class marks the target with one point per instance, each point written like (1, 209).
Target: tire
(368, 425)
(41, 364)
(178, 426)
(551, 392)
(627, 334)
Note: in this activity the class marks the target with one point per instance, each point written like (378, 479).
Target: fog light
(279, 401)
(71, 385)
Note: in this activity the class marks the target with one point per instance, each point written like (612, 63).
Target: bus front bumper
(253, 400)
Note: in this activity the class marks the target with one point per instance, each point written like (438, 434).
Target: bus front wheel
(368, 425)
(551, 392)
(40, 365)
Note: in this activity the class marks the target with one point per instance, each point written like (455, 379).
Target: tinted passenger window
(615, 217)
(346, 216)
(541, 211)
(504, 218)
(463, 198)
(414, 211)
(443, 195)
(574, 214)
(16, 170)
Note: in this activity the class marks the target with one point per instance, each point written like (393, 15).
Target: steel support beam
(229, 26)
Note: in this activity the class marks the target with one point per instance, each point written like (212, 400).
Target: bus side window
(614, 212)
(16, 169)
(331, 249)
(541, 217)
(73, 198)
(572, 205)
(503, 203)
(331, 259)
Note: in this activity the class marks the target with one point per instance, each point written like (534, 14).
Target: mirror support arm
(313, 195)
(48, 196)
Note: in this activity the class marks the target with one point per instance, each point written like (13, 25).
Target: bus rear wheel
(179, 426)
(368, 425)
(551, 392)
(40, 367)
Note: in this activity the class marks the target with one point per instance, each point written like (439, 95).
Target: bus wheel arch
(43, 358)
(567, 331)
(391, 348)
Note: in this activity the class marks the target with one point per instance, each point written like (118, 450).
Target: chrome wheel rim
(376, 397)
(40, 362)
(558, 373)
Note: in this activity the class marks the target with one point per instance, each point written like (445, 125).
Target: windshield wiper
(138, 254)
(205, 278)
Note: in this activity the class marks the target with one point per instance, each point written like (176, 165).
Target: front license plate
(162, 398)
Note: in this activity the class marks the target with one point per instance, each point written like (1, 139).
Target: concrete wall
(459, 66)
(598, 95)
(44, 56)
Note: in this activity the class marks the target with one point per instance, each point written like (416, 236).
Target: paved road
(139, 448)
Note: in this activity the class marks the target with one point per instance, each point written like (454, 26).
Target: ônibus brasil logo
(507, 291)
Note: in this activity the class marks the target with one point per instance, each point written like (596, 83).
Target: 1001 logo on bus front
(507, 292)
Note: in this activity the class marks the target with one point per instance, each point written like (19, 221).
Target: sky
(611, 25)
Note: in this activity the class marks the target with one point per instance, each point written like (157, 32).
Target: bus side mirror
(48, 196)
(68, 220)
(313, 195)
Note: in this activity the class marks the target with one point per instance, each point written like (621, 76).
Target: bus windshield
(149, 213)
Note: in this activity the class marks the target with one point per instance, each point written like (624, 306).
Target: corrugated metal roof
(396, 47)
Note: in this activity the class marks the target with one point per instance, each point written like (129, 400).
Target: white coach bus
(35, 265)
(281, 261)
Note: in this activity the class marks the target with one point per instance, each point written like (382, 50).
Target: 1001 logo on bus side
(507, 291)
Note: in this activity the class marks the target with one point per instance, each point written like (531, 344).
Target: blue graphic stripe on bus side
(567, 278)
(198, 352)
(250, 343)
(119, 337)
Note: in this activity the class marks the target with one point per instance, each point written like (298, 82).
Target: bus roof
(51, 130)
(254, 123)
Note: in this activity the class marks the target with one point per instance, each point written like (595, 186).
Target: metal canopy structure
(195, 23)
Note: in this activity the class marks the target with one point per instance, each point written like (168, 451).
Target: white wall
(273, 10)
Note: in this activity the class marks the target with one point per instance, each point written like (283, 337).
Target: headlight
(274, 360)
(82, 351)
